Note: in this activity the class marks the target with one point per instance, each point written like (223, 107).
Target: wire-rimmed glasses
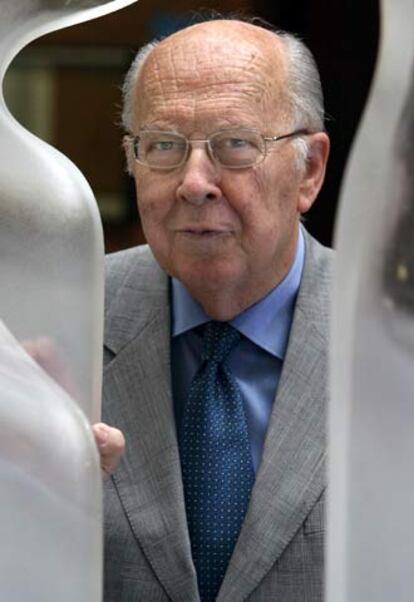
(236, 148)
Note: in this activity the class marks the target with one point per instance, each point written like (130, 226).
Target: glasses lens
(237, 148)
(160, 149)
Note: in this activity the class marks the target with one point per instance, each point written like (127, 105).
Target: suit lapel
(291, 475)
(139, 401)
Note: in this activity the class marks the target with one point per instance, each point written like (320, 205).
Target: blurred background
(66, 88)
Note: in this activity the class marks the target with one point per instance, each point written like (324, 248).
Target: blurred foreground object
(50, 487)
(51, 244)
(51, 307)
(371, 449)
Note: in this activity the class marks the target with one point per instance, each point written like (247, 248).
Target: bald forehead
(224, 34)
(222, 44)
(210, 58)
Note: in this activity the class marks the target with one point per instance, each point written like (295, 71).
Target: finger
(111, 445)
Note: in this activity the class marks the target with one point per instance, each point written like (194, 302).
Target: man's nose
(199, 178)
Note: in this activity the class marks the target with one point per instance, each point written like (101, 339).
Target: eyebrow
(163, 127)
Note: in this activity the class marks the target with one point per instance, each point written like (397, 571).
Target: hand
(44, 351)
(111, 445)
(109, 441)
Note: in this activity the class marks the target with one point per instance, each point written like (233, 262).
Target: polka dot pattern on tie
(216, 460)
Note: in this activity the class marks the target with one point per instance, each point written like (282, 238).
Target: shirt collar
(266, 323)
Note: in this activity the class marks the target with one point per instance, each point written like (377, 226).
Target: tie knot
(219, 339)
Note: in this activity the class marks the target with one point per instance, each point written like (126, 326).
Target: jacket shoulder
(121, 265)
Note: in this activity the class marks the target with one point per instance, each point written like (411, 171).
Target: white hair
(130, 82)
(304, 90)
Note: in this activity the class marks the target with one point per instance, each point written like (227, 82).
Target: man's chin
(209, 275)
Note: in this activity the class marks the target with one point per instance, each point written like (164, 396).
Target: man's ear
(314, 170)
(127, 145)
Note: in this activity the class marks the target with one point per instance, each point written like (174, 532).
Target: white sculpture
(370, 554)
(51, 304)
(51, 248)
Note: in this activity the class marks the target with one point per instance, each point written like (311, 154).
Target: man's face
(213, 228)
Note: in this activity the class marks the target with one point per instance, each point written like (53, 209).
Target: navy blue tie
(216, 460)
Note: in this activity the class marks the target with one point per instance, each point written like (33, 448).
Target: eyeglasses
(232, 148)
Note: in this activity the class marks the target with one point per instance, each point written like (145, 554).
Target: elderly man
(216, 332)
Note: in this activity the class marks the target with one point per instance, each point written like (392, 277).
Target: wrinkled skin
(229, 235)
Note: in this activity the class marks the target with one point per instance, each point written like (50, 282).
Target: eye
(162, 145)
(236, 143)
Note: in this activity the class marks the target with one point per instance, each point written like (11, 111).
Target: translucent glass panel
(49, 488)
(51, 310)
(50, 235)
(371, 449)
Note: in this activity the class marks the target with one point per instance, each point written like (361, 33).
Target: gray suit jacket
(279, 554)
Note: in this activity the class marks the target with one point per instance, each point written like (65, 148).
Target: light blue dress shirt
(256, 362)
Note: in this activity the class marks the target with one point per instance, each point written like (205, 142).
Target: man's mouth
(204, 232)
